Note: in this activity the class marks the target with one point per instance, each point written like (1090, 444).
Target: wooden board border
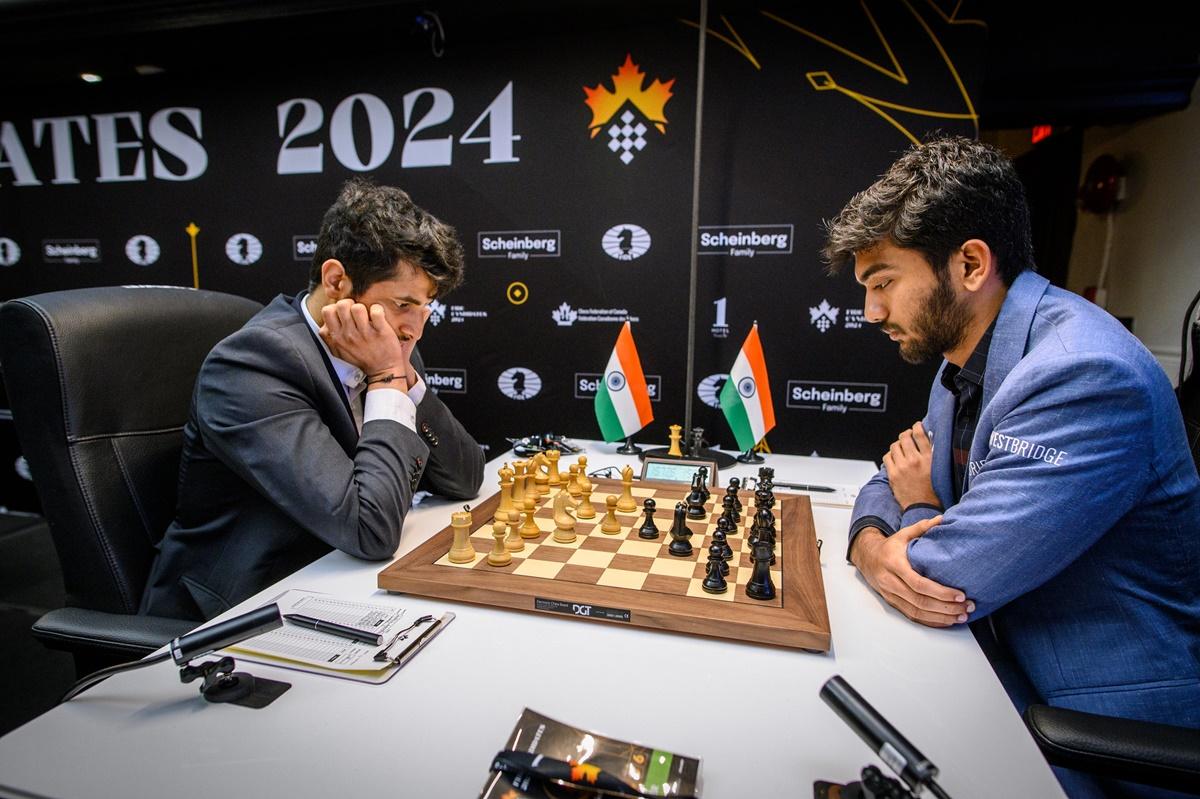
(787, 626)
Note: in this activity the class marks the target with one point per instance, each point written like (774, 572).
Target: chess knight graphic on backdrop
(628, 133)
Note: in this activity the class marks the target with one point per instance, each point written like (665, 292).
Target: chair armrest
(83, 630)
(1161, 755)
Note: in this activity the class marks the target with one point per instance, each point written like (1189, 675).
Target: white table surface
(751, 713)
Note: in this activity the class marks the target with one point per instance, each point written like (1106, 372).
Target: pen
(804, 487)
(340, 630)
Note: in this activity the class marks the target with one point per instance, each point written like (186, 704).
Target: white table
(751, 713)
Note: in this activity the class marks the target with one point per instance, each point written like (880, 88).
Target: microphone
(193, 645)
(218, 636)
(885, 740)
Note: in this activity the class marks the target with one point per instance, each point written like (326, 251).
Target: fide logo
(709, 390)
(142, 250)
(519, 384)
(10, 253)
(824, 316)
(437, 312)
(243, 248)
(629, 95)
(626, 242)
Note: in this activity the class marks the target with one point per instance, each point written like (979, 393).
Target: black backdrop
(803, 106)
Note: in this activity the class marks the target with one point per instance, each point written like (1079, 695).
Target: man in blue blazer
(1049, 493)
(311, 427)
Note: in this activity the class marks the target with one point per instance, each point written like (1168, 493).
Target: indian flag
(622, 401)
(746, 395)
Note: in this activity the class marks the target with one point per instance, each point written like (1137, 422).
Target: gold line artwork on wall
(823, 79)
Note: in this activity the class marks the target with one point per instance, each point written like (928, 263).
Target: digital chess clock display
(677, 471)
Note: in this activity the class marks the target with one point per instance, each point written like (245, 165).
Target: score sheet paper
(301, 645)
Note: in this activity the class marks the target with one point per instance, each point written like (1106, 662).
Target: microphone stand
(221, 682)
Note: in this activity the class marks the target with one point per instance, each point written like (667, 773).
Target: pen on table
(804, 487)
(340, 630)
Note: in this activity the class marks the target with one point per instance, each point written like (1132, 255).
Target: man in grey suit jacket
(311, 427)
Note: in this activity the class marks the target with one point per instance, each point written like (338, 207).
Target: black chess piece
(721, 536)
(696, 442)
(714, 551)
(760, 585)
(764, 525)
(714, 580)
(680, 533)
(728, 513)
(735, 485)
(648, 528)
(729, 506)
(704, 483)
(695, 499)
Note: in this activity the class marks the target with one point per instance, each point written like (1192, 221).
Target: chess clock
(677, 470)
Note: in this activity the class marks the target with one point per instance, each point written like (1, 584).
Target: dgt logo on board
(243, 248)
(626, 242)
(588, 383)
(10, 253)
(142, 250)
(71, 251)
(446, 381)
(303, 247)
(519, 383)
(636, 106)
(519, 245)
(817, 395)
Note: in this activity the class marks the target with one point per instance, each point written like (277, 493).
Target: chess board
(622, 578)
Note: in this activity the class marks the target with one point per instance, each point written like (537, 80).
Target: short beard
(939, 326)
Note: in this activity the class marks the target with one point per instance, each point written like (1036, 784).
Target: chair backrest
(100, 382)
(1188, 389)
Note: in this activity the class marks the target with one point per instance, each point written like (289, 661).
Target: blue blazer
(1078, 533)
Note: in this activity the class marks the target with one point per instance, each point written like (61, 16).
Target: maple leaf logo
(627, 85)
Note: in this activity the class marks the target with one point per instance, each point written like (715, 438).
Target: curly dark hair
(936, 196)
(371, 229)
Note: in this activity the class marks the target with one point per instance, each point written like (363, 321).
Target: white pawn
(514, 542)
(586, 509)
(499, 556)
(610, 524)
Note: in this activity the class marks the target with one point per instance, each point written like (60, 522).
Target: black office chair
(1159, 755)
(100, 381)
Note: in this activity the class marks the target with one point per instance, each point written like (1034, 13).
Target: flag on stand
(622, 400)
(746, 395)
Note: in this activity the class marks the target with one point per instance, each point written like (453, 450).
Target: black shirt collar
(956, 378)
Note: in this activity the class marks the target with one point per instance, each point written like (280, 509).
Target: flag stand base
(723, 460)
(750, 456)
(629, 448)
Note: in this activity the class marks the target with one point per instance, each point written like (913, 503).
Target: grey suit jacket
(274, 474)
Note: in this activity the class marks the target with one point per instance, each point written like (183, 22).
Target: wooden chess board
(622, 578)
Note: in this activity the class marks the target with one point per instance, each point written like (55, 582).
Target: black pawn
(729, 510)
(735, 485)
(680, 533)
(715, 551)
(648, 528)
(704, 483)
(760, 585)
(721, 536)
(714, 581)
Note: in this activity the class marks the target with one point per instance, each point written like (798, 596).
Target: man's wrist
(387, 379)
(866, 539)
